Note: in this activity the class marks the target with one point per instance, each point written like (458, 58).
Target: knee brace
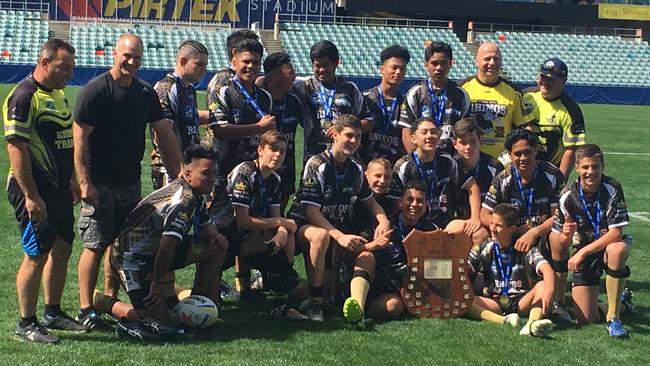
(620, 273)
(361, 273)
(560, 266)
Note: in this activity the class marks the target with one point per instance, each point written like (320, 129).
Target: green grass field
(247, 336)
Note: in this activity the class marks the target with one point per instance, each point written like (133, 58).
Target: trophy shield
(436, 281)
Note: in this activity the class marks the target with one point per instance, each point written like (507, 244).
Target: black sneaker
(135, 330)
(63, 322)
(155, 326)
(35, 332)
(626, 300)
(91, 321)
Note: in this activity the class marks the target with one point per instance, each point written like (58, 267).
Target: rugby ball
(196, 312)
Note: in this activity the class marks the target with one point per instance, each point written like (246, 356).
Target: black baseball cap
(554, 68)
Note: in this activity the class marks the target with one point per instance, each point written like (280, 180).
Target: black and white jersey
(441, 176)
(419, 103)
(178, 103)
(173, 210)
(331, 188)
(545, 189)
(234, 108)
(246, 188)
(288, 115)
(483, 174)
(609, 201)
(525, 268)
(385, 140)
(316, 99)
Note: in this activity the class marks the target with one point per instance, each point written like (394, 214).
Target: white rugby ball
(196, 312)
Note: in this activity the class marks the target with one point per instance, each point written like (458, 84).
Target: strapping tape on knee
(560, 266)
(618, 273)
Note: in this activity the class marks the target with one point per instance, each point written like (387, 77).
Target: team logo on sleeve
(315, 98)
(236, 114)
(183, 216)
(425, 112)
(212, 106)
(240, 186)
(309, 183)
(49, 104)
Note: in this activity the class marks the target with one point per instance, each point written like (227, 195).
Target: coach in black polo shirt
(111, 116)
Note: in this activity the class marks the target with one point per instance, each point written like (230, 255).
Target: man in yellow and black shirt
(497, 105)
(558, 119)
(38, 130)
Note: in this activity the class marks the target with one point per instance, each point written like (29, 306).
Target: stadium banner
(623, 12)
(240, 13)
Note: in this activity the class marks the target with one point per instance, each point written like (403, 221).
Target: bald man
(111, 115)
(497, 105)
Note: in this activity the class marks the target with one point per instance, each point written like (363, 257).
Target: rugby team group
(478, 159)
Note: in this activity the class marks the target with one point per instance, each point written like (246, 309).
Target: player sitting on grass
(511, 278)
(380, 297)
(440, 174)
(594, 208)
(155, 240)
(260, 236)
(331, 182)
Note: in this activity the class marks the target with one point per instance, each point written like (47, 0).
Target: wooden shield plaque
(436, 282)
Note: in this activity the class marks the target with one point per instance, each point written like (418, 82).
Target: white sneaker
(537, 328)
(512, 319)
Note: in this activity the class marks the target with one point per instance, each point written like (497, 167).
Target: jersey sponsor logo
(342, 102)
(236, 114)
(189, 112)
(49, 104)
(64, 139)
(315, 98)
(309, 183)
(183, 216)
(425, 112)
(336, 210)
(212, 106)
(240, 186)
(328, 193)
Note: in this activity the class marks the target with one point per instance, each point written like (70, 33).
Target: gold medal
(504, 300)
(530, 222)
(327, 124)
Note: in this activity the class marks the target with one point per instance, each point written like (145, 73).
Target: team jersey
(483, 173)
(220, 79)
(545, 190)
(288, 115)
(247, 188)
(559, 124)
(609, 201)
(331, 188)
(525, 270)
(385, 140)
(441, 177)
(423, 102)
(173, 210)
(392, 259)
(233, 108)
(497, 109)
(41, 117)
(322, 109)
(361, 222)
(179, 106)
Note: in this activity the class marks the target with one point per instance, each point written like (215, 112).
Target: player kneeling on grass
(511, 278)
(155, 240)
(260, 236)
(591, 218)
(331, 182)
(382, 293)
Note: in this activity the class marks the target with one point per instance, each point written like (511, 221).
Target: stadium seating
(21, 35)
(160, 43)
(592, 59)
(359, 47)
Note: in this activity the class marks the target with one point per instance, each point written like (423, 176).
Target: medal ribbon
(280, 121)
(197, 226)
(531, 191)
(339, 177)
(505, 272)
(594, 223)
(327, 98)
(250, 100)
(432, 183)
(387, 114)
(438, 102)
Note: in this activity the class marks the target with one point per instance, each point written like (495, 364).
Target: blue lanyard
(263, 202)
(339, 177)
(386, 113)
(438, 102)
(197, 226)
(432, 183)
(505, 272)
(531, 191)
(250, 100)
(327, 98)
(189, 96)
(280, 119)
(594, 223)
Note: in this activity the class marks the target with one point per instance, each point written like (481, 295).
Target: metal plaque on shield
(436, 282)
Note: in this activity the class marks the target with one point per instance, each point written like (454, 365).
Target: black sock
(53, 310)
(86, 311)
(27, 321)
(316, 291)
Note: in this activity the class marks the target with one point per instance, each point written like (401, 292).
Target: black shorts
(60, 219)
(136, 283)
(384, 283)
(512, 306)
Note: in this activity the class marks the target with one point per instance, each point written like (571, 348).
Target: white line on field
(627, 153)
(641, 216)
